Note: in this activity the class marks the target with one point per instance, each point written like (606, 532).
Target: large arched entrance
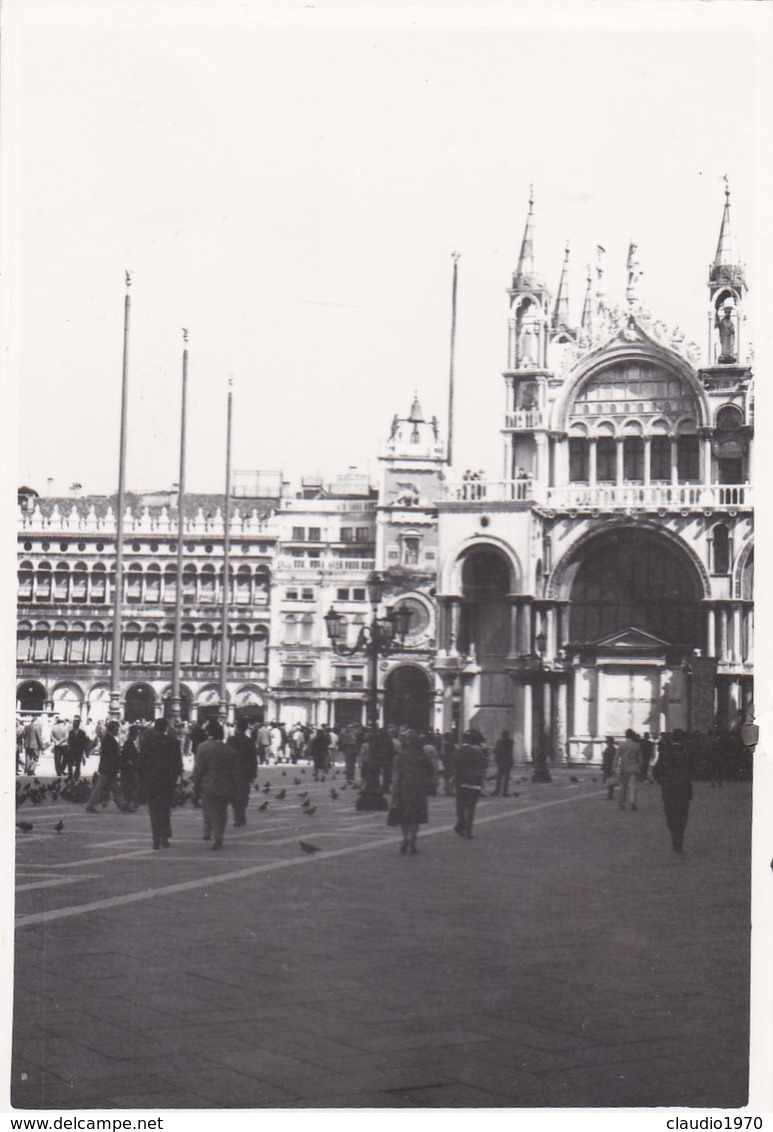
(31, 696)
(139, 703)
(408, 698)
(635, 625)
(485, 632)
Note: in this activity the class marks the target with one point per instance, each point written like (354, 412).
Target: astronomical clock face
(419, 623)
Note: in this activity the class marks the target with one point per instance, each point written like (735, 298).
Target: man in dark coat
(318, 751)
(77, 742)
(108, 771)
(674, 773)
(244, 744)
(503, 757)
(470, 763)
(215, 781)
(159, 765)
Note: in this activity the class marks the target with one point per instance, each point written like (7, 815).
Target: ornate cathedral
(604, 583)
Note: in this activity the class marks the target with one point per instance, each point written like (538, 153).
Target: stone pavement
(563, 957)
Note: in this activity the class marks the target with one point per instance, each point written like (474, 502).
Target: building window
(43, 583)
(208, 585)
(25, 584)
(78, 645)
(342, 593)
(660, 459)
(62, 584)
(134, 584)
(307, 595)
(153, 585)
(411, 547)
(131, 648)
(606, 459)
(291, 595)
(363, 534)
(290, 636)
(347, 534)
(95, 647)
(259, 646)
(59, 643)
(243, 585)
(315, 534)
(307, 629)
(205, 649)
(23, 642)
(299, 534)
(579, 463)
(721, 550)
(189, 585)
(99, 584)
(150, 647)
(240, 648)
(261, 587)
(633, 459)
(170, 585)
(359, 594)
(167, 648)
(688, 459)
(40, 643)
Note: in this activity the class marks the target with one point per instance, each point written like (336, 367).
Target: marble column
(736, 650)
(711, 632)
(723, 654)
(620, 453)
(560, 724)
(592, 462)
(455, 606)
(647, 459)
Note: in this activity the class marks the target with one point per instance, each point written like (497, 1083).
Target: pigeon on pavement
(311, 810)
(263, 806)
(59, 826)
(25, 826)
(307, 847)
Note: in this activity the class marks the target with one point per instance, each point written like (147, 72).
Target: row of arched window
(43, 642)
(62, 584)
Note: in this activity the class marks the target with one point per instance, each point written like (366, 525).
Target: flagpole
(224, 641)
(175, 701)
(455, 256)
(115, 656)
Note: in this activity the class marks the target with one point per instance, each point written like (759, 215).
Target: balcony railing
(653, 497)
(524, 419)
(339, 565)
(486, 491)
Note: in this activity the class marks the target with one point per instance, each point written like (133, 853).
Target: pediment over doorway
(631, 640)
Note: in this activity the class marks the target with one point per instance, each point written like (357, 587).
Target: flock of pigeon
(35, 792)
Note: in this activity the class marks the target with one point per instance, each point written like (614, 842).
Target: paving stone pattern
(563, 957)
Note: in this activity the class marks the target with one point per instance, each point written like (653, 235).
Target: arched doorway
(67, 700)
(139, 703)
(485, 630)
(408, 698)
(635, 624)
(31, 696)
(248, 704)
(186, 700)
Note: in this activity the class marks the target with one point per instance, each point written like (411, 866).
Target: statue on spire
(634, 274)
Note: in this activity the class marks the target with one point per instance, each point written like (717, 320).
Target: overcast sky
(290, 188)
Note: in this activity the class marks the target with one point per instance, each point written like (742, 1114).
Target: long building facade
(604, 582)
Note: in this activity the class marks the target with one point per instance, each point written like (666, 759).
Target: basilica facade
(604, 582)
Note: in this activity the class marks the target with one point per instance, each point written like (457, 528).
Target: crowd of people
(142, 762)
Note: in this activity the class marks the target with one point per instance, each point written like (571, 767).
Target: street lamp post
(541, 773)
(383, 636)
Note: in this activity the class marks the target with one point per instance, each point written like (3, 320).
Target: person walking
(59, 733)
(447, 752)
(107, 784)
(647, 751)
(77, 743)
(470, 763)
(159, 765)
(503, 757)
(349, 745)
(34, 745)
(412, 782)
(215, 781)
(673, 772)
(129, 756)
(244, 744)
(628, 769)
(318, 751)
(608, 757)
(264, 743)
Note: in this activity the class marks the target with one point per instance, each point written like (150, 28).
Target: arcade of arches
(628, 640)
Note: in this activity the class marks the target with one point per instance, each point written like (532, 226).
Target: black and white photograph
(382, 476)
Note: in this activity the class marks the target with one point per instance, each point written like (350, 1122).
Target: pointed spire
(727, 266)
(561, 309)
(634, 274)
(586, 322)
(525, 275)
(416, 415)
